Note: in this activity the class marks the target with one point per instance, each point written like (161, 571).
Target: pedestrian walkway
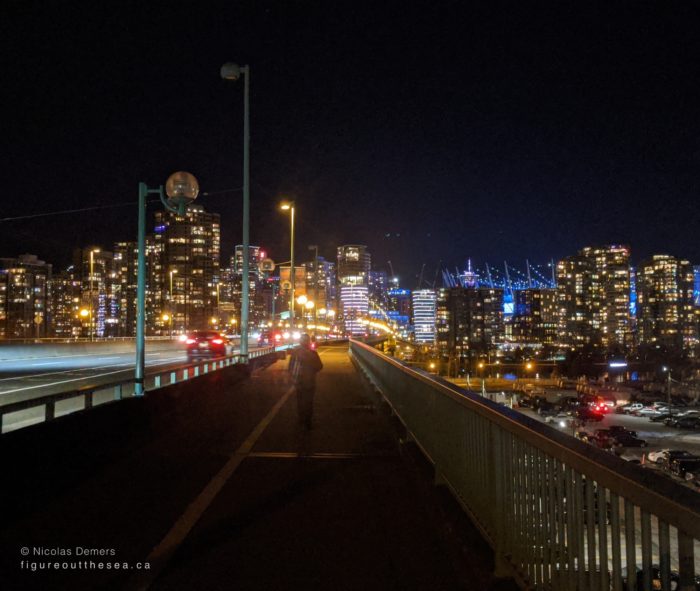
(264, 504)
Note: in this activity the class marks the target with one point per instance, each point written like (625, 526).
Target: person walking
(304, 364)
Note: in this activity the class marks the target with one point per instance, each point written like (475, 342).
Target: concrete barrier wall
(39, 350)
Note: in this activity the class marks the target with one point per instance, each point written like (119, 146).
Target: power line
(210, 193)
(66, 211)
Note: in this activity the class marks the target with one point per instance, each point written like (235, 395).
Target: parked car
(560, 417)
(628, 440)
(206, 344)
(602, 438)
(665, 456)
(655, 579)
(685, 465)
(648, 411)
(616, 429)
(661, 417)
(632, 408)
(686, 422)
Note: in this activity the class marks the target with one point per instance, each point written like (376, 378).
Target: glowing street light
(289, 206)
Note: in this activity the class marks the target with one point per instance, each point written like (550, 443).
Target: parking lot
(657, 435)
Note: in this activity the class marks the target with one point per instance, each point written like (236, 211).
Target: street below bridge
(215, 485)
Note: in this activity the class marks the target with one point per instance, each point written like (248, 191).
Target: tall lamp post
(314, 247)
(233, 72)
(290, 207)
(182, 188)
(172, 300)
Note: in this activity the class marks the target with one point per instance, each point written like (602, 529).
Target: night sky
(428, 131)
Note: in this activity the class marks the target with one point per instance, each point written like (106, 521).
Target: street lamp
(291, 209)
(172, 299)
(169, 319)
(667, 371)
(91, 327)
(181, 188)
(231, 71)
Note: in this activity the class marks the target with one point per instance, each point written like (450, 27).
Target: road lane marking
(160, 555)
(125, 366)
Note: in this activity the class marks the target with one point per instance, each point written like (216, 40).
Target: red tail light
(217, 341)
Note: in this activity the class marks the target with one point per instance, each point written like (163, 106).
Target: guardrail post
(118, 392)
(173, 377)
(88, 399)
(157, 382)
(196, 371)
(186, 374)
(501, 568)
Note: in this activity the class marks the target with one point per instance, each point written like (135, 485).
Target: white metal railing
(559, 514)
(45, 408)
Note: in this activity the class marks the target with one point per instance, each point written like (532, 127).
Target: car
(686, 422)
(656, 582)
(660, 417)
(687, 412)
(632, 408)
(680, 467)
(602, 438)
(207, 344)
(648, 411)
(628, 440)
(586, 414)
(582, 435)
(561, 419)
(269, 338)
(616, 429)
(665, 456)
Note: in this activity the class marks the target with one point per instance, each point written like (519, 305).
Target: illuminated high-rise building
(189, 248)
(229, 291)
(593, 293)
(320, 282)
(353, 269)
(24, 297)
(666, 314)
(64, 307)
(475, 320)
(100, 291)
(424, 316)
(535, 318)
(399, 309)
(354, 302)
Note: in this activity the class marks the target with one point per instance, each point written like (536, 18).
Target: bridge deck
(215, 484)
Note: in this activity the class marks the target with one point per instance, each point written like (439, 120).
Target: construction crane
(393, 275)
(420, 277)
(488, 276)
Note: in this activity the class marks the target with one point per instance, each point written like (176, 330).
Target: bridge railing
(559, 514)
(46, 408)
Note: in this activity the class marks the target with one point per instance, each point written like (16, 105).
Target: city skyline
(475, 133)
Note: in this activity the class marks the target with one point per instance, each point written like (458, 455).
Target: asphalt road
(24, 379)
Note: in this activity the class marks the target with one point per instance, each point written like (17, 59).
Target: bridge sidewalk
(339, 506)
